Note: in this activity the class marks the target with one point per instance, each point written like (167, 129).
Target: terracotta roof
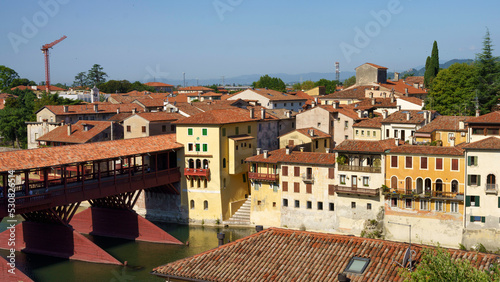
(399, 86)
(280, 156)
(217, 104)
(179, 98)
(428, 150)
(222, 116)
(187, 108)
(241, 137)
(370, 123)
(160, 116)
(274, 95)
(316, 133)
(150, 102)
(343, 109)
(415, 79)
(277, 254)
(78, 134)
(490, 143)
(367, 146)
(353, 92)
(195, 88)
(366, 103)
(206, 94)
(119, 117)
(413, 100)
(158, 84)
(374, 65)
(277, 113)
(493, 117)
(6, 95)
(61, 155)
(416, 117)
(445, 123)
(103, 108)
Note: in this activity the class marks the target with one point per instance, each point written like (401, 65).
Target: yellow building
(368, 129)
(311, 139)
(426, 187)
(446, 130)
(216, 144)
(149, 124)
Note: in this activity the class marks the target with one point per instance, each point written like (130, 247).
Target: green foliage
(341, 160)
(12, 118)
(462, 247)
(330, 85)
(408, 75)
(96, 76)
(123, 86)
(81, 80)
(21, 81)
(215, 87)
(431, 66)
(488, 76)
(350, 81)
(268, 82)
(437, 265)
(7, 76)
(481, 248)
(52, 99)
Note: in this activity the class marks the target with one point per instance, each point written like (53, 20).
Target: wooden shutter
(483, 219)
(394, 161)
(423, 162)
(309, 188)
(479, 180)
(296, 171)
(409, 162)
(467, 201)
(499, 202)
(471, 218)
(454, 164)
(469, 160)
(331, 172)
(331, 191)
(296, 187)
(468, 179)
(285, 186)
(439, 163)
(284, 170)
(477, 201)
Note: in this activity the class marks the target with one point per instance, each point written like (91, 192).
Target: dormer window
(357, 265)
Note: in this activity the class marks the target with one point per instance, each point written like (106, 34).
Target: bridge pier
(114, 217)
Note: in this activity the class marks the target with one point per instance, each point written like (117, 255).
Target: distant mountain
(420, 71)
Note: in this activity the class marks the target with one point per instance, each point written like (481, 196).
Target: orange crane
(45, 51)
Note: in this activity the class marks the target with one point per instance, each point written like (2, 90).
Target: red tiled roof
(445, 123)
(78, 135)
(493, 117)
(280, 156)
(490, 143)
(316, 133)
(416, 117)
(353, 92)
(158, 102)
(119, 117)
(277, 254)
(222, 116)
(343, 109)
(428, 150)
(206, 94)
(367, 146)
(413, 100)
(195, 88)
(274, 95)
(187, 108)
(379, 103)
(61, 155)
(160, 116)
(102, 108)
(374, 65)
(415, 79)
(370, 123)
(158, 84)
(399, 86)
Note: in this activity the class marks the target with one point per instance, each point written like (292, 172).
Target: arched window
(224, 163)
(420, 186)
(490, 179)
(428, 185)
(439, 187)
(198, 163)
(191, 163)
(454, 186)
(408, 185)
(205, 164)
(205, 205)
(394, 182)
(191, 204)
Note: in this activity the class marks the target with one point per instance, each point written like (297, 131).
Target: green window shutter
(467, 201)
(223, 132)
(479, 180)
(249, 129)
(499, 202)
(476, 160)
(483, 219)
(205, 147)
(237, 131)
(477, 201)
(204, 131)
(197, 147)
(190, 131)
(471, 218)
(468, 179)
(469, 161)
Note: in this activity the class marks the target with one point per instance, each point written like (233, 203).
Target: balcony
(266, 177)
(360, 168)
(491, 189)
(430, 194)
(307, 178)
(196, 172)
(357, 191)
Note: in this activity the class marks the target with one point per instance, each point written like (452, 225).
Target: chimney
(406, 92)
(259, 150)
(96, 108)
(259, 228)
(287, 151)
(65, 107)
(360, 114)
(288, 114)
(426, 116)
(266, 154)
(478, 113)
(370, 95)
(117, 110)
(335, 104)
(313, 104)
(85, 127)
(251, 113)
(373, 101)
(396, 76)
(461, 125)
(263, 113)
(316, 100)
(301, 149)
(111, 129)
(69, 129)
(396, 141)
(393, 99)
(384, 114)
(384, 95)
(133, 111)
(416, 85)
(311, 132)
(342, 277)
(399, 107)
(221, 237)
(429, 116)
(327, 150)
(408, 116)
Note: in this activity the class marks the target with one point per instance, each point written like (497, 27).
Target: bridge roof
(62, 155)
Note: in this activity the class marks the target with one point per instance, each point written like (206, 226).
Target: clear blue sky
(135, 40)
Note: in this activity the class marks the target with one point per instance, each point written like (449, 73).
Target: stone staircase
(242, 215)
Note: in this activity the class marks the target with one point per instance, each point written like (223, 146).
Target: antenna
(409, 252)
(337, 71)
(184, 77)
(222, 80)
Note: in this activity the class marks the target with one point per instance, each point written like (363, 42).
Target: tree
(437, 264)
(21, 81)
(7, 76)
(268, 82)
(307, 85)
(350, 81)
(452, 91)
(431, 65)
(406, 75)
(330, 85)
(488, 76)
(80, 80)
(96, 76)
(17, 110)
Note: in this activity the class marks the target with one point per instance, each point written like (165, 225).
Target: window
(309, 205)
(324, 143)
(477, 219)
(223, 132)
(438, 205)
(346, 137)
(362, 133)
(342, 178)
(454, 207)
(357, 132)
(163, 128)
(408, 203)
(331, 172)
(244, 178)
(387, 133)
(191, 204)
(353, 205)
(346, 124)
(275, 187)
(395, 134)
(197, 147)
(204, 131)
(143, 129)
(256, 186)
(320, 206)
(296, 187)
(473, 180)
(319, 125)
(317, 144)
(368, 206)
(205, 147)
(394, 161)
(331, 190)
(297, 204)
(129, 129)
(394, 182)
(224, 163)
(357, 265)
(424, 205)
(237, 130)
(374, 134)
(472, 160)
(190, 147)
(190, 131)
(309, 188)
(284, 170)
(331, 206)
(366, 181)
(454, 164)
(439, 163)
(394, 202)
(368, 133)
(172, 127)
(285, 186)
(205, 205)
(409, 162)
(454, 186)
(259, 203)
(423, 162)
(472, 201)
(285, 202)
(249, 129)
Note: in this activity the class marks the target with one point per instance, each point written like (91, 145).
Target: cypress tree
(431, 65)
(426, 74)
(488, 75)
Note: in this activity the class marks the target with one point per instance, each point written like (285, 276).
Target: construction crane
(45, 51)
